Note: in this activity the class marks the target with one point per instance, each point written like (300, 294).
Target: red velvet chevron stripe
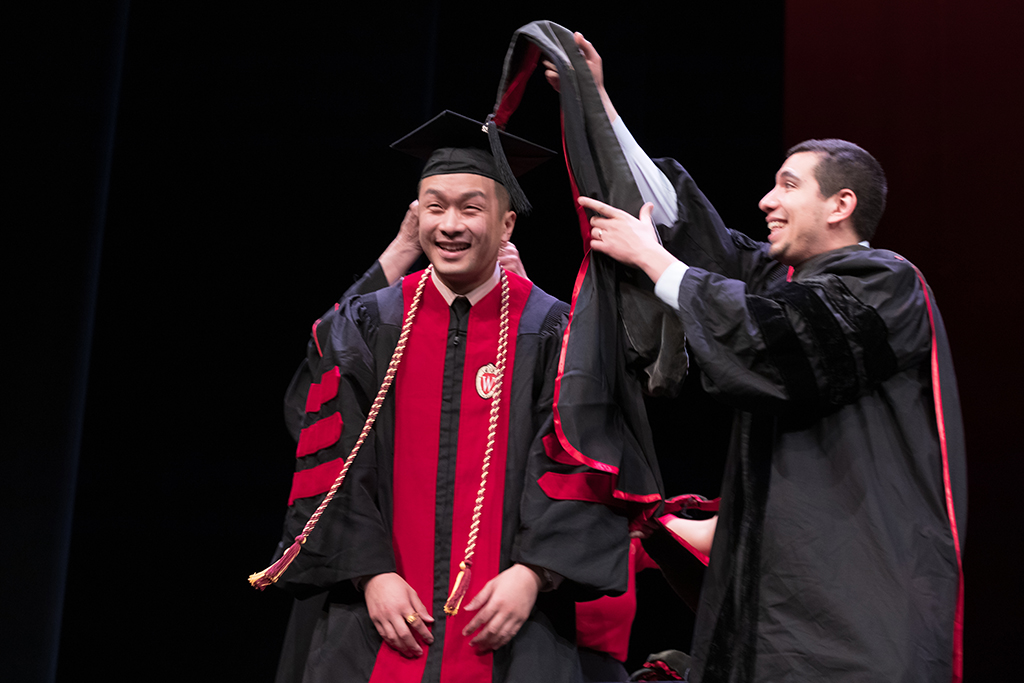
(323, 392)
(315, 480)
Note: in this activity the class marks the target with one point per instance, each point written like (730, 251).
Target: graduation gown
(836, 555)
(406, 503)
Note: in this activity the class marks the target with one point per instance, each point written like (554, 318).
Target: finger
(597, 207)
(645, 211)
(489, 634)
(500, 630)
(390, 636)
(420, 609)
(487, 612)
(481, 598)
(405, 640)
(587, 49)
(420, 625)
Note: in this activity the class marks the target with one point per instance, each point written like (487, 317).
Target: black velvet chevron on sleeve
(826, 375)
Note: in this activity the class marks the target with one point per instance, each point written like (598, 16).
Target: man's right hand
(593, 60)
(392, 603)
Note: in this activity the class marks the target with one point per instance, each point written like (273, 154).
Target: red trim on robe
(323, 392)
(315, 480)
(462, 662)
(580, 275)
(514, 93)
(567, 447)
(604, 624)
(692, 501)
(316, 340)
(553, 449)
(418, 389)
(593, 487)
(940, 422)
(319, 435)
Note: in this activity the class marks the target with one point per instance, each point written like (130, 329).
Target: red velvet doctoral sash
(418, 389)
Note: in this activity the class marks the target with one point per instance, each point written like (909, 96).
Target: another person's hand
(403, 251)
(627, 239)
(409, 230)
(508, 258)
(596, 66)
(504, 603)
(397, 613)
(699, 533)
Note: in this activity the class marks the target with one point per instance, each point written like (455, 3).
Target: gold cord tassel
(272, 573)
(451, 607)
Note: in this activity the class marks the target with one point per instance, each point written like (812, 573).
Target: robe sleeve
(584, 541)
(352, 538)
(700, 239)
(298, 389)
(810, 346)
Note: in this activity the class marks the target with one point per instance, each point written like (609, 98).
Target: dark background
(191, 186)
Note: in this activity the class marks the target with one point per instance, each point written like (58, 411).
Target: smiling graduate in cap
(439, 557)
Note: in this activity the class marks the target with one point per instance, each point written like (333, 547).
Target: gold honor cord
(272, 573)
(451, 607)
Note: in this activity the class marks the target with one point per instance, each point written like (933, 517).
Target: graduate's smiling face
(798, 215)
(463, 223)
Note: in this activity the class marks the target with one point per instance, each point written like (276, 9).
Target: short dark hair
(843, 165)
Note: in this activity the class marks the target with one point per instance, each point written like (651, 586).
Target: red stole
(418, 387)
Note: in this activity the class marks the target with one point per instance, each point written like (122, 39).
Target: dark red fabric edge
(958, 619)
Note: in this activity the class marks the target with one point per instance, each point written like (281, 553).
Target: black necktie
(461, 307)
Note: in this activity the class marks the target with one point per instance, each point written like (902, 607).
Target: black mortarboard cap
(452, 143)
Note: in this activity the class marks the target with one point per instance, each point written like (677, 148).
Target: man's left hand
(504, 604)
(629, 240)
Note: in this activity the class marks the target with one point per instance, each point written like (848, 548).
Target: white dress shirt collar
(476, 294)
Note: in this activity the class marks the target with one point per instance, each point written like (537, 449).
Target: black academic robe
(356, 537)
(836, 555)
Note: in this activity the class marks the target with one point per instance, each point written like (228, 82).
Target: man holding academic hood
(439, 558)
(836, 555)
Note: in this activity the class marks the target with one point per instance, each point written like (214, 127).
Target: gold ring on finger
(411, 618)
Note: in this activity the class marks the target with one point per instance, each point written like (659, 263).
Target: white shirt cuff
(667, 286)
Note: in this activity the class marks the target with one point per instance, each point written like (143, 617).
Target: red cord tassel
(272, 573)
(451, 608)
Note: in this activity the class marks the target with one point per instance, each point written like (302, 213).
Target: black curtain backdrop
(193, 185)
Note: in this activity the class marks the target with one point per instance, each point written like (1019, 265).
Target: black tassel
(520, 204)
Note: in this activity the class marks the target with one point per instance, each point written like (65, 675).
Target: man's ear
(844, 202)
(508, 224)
